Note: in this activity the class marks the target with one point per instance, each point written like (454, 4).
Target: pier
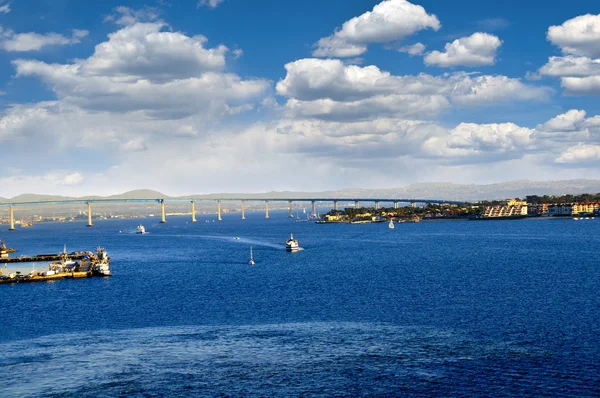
(62, 266)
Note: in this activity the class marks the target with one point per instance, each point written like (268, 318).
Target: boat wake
(232, 239)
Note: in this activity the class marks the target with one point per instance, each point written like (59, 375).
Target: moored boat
(391, 224)
(102, 265)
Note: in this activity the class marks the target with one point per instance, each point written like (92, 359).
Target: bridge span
(218, 200)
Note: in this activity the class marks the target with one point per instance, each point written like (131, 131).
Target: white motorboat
(140, 230)
(291, 244)
(251, 261)
(391, 224)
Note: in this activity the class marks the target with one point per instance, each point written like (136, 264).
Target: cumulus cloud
(331, 89)
(577, 36)
(480, 142)
(479, 49)
(579, 69)
(128, 16)
(209, 3)
(580, 154)
(142, 68)
(4, 8)
(571, 66)
(479, 90)
(415, 49)
(390, 20)
(571, 120)
(20, 42)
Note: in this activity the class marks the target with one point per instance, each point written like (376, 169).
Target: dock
(45, 257)
(75, 265)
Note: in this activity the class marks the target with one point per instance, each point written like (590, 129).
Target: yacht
(391, 224)
(140, 230)
(291, 244)
(251, 261)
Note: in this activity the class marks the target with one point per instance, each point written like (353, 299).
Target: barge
(61, 266)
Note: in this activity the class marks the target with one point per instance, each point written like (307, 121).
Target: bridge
(218, 200)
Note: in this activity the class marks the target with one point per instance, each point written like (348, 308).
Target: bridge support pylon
(356, 204)
(395, 205)
(12, 218)
(377, 205)
(163, 219)
(314, 209)
(335, 205)
(193, 211)
(266, 209)
(219, 211)
(89, 224)
(414, 204)
(290, 215)
(243, 210)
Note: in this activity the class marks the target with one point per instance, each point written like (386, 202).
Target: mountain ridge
(424, 190)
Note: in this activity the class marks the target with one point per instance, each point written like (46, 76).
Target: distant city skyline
(198, 96)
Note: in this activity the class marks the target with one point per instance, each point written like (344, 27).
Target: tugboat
(140, 230)
(291, 245)
(251, 261)
(102, 266)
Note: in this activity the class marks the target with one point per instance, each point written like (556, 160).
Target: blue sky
(210, 96)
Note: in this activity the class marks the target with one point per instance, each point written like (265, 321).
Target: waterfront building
(505, 211)
(537, 209)
(563, 209)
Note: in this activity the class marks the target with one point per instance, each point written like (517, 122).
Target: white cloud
(577, 36)
(415, 49)
(479, 49)
(19, 42)
(331, 89)
(70, 179)
(579, 70)
(580, 154)
(128, 16)
(480, 90)
(209, 3)
(143, 50)
(4, 8)
(571, 120)
(581, 85)
(390, 20)
(571, 66)
(480, 142)
(403, 106)
(141, 68)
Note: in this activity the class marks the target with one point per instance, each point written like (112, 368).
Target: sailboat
(251, 261)
(391, 224)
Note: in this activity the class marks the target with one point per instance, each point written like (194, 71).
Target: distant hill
(429, 190)
(140, 194)
(31, 197)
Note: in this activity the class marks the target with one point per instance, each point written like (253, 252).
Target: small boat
(140, 230)
(575, 218)
(251, 261)
(391, 224)
(291, 244)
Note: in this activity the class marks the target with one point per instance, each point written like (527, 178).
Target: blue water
(437, 308)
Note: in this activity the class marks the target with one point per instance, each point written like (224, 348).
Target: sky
(208, 96)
